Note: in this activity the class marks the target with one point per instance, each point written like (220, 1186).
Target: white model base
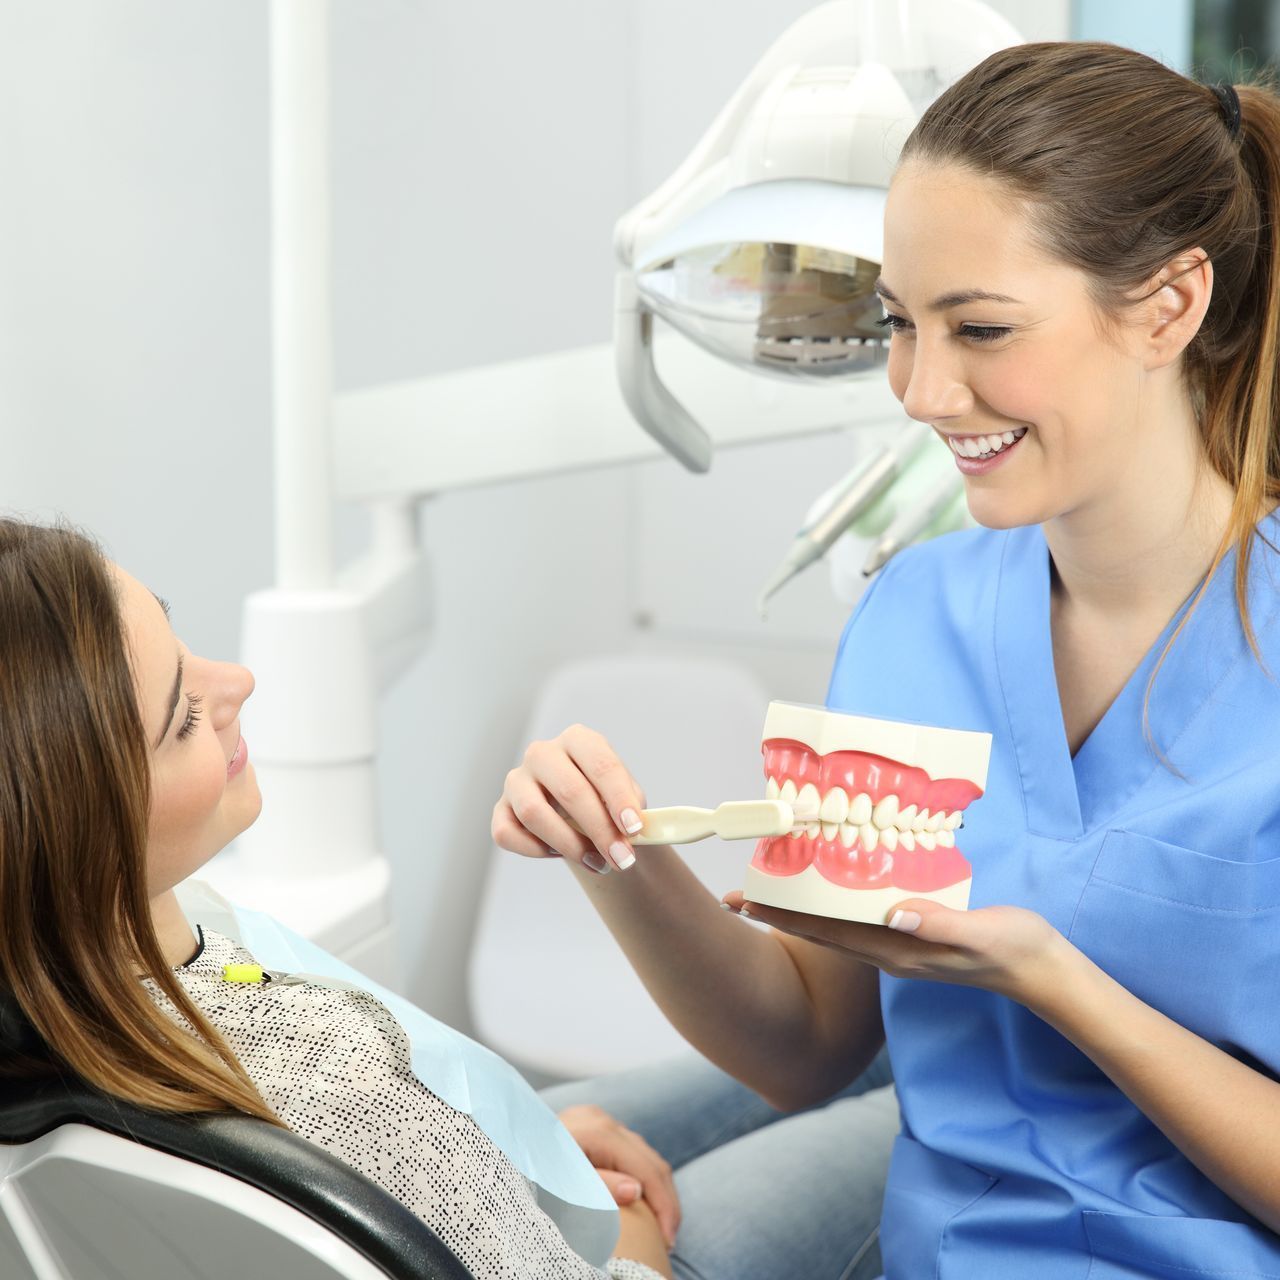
(814, 894)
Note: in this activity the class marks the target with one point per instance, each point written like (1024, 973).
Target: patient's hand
(640, 1238)
(630, 1167)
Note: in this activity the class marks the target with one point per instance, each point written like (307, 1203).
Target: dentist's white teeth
(848, 835)
(925, 840)
(920, 821)
(935, 821)
(886, 812)
(904, 819)
(889, 838)
(953, 820)
(835, 808)
(860, 809)
(870, 837)
(907, 841)
(983, 445)
(829, 830)
(946, 839)
(788, 792)
(771, 789)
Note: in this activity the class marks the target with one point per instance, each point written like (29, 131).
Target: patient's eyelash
(974, 332)
(195, 702)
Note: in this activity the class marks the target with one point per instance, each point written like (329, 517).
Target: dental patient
(124, 771)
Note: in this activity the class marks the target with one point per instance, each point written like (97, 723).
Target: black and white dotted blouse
(334, 1065)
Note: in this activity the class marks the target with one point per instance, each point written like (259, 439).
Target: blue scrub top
(1018, 1157)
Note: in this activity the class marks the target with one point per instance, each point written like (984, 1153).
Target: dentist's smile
(975, 455)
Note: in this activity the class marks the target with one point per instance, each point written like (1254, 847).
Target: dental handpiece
(914, 521)
(851, 497)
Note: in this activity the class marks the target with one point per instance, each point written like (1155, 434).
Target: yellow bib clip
(242, 972)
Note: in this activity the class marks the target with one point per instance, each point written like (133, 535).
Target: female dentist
(1082, 278)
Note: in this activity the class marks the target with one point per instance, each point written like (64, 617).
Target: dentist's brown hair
(1123, 165)
(75, 793)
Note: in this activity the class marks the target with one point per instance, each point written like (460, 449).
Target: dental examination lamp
(765, 244)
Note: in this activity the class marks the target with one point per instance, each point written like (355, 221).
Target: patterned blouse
(334, 1066)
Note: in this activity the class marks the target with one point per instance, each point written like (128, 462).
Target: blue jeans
(766, 1195)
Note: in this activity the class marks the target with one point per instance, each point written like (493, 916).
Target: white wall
(482, 154)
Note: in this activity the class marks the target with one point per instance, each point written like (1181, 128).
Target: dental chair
(92, 1188)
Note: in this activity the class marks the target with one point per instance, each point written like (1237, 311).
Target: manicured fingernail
(724, 906)
(595, 862)
(631, 821)
(630, 1187)
(906, 921)
(621, 855)
(744, 913)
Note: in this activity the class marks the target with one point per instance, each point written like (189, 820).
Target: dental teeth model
(889, 798)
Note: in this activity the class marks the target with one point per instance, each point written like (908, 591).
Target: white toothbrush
(733, 820)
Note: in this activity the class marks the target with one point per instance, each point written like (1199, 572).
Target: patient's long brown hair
(75, 791)
(1122, 165)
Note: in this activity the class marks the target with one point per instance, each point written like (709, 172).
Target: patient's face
(202, 793)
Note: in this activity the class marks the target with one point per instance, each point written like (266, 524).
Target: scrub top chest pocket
(1193, 935)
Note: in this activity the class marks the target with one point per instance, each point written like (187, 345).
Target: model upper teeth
(978, 446)
(850, 818)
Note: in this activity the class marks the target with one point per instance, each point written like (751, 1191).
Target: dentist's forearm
(1221, 1114)
(789, 1019)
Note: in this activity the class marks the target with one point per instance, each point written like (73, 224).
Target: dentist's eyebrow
(177, 684)
(947, 300)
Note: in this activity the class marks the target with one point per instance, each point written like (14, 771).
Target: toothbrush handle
(678, 824)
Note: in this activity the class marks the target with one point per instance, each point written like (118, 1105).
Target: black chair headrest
(277, 1161)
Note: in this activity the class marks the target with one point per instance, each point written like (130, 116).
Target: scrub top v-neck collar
(1063, 796)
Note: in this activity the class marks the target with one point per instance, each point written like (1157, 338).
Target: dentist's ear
(1175, 301)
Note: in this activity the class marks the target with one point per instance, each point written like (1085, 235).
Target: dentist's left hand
(575, 775)
(1009, 950)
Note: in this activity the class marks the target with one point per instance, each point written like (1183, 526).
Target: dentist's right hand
(576, 775)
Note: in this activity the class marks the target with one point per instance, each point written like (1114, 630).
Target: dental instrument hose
(850, 498)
